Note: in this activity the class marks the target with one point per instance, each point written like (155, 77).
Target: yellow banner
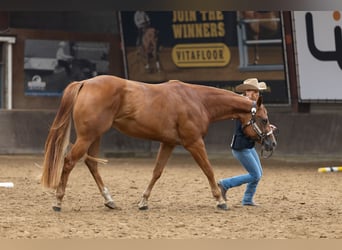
(201, 55)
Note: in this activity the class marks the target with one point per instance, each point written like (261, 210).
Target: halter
(257, 130)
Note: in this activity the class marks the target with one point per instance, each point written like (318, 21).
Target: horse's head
(150, 40)
(258, 127)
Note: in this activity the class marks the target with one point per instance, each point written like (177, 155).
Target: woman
(243, 149)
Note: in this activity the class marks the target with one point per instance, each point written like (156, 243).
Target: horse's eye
(264, 121)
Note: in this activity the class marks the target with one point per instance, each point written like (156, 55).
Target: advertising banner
(318, 39)
(214, 48)
(50, 65)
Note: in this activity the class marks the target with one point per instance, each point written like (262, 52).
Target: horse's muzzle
(268, 145)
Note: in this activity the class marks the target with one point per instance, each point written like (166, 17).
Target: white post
(9, 76)
(9, 67)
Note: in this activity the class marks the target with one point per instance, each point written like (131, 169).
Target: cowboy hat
(251, 84)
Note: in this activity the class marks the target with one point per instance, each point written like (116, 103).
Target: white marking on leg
(143, 203)
(107, 195)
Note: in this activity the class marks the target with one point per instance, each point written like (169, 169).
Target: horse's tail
(58, 138)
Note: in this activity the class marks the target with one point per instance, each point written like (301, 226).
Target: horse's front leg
(164, 153)
(92, 166)
(199, 153)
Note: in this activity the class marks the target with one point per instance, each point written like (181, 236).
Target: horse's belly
(147, 131)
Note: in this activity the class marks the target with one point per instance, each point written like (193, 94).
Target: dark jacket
(240, 140)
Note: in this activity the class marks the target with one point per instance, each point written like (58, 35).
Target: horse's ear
(260, 100)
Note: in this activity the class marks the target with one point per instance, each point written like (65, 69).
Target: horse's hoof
(143, 208)
(222, 206)
(56, 209)
(110, 204)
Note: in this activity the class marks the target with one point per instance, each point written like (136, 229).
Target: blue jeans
(250, 160)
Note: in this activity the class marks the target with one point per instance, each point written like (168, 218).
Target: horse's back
(106, 89)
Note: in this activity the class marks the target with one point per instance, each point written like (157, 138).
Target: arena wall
(316, 135)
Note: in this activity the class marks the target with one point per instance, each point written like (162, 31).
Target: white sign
(318, 38)
(36, 83)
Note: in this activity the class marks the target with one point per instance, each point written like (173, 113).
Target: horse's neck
(227, 106)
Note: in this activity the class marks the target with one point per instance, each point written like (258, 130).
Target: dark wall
(71, 21)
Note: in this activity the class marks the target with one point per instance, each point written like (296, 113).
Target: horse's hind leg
(75, 154)
(199, 153)
(92, 166)
(164, 153)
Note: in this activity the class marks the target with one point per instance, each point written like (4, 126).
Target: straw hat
(251, 84)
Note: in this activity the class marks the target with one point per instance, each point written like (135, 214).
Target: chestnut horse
(174, 113)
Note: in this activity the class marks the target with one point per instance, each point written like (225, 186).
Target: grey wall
(24, 132)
